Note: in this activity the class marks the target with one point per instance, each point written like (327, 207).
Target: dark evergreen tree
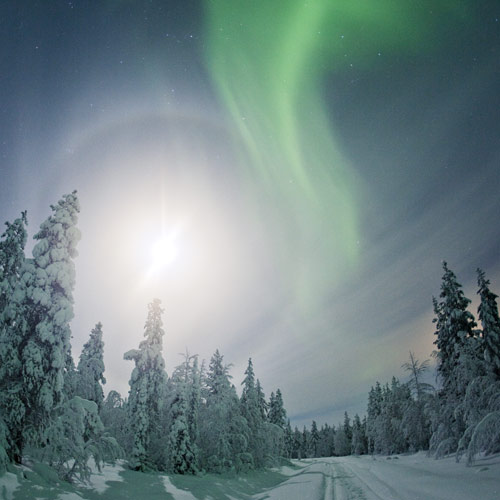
(341, 443)
(304, 445)
(251, 411)
(289, 440)
(459, 362)
(194, 401)
(297, 444)
(454, 326)
(114, 417)
(373, 413)
(90, 370)
(261, 401)
(490, 321)
(12, 327)
(315, 439)
(358, 441)
(182, 457)
(347, 427)
(277, 412)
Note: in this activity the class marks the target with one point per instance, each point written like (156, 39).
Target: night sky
(305, 165)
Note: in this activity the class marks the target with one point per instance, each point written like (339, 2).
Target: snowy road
(406, 478)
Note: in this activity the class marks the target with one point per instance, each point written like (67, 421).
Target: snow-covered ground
(411, 477)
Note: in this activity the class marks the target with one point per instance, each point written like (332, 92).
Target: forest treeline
(54, 410)
(461, 416)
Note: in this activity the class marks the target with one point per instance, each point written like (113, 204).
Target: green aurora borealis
(269, 61)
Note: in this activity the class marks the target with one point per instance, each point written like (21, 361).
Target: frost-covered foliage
(314, 439)
(76, 434)
(358, 439)
(5, 445)
(12, 328)
(454, 327)
(341, 442)
(488, 315)
(182, 454)
(462, 416)
(251, 410)
(277, 412)
(480, 412)
(47, 284)
(147, 390)
(459, 362)
(288, 440)
(114, 418)
(223, 433)
(90, 368)
(184, 390)
(386, 417)
(415, 422)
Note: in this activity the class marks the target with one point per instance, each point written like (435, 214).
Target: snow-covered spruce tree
(326, 444)
(90, 370)
(304, 444)
(261, 400)
(386, 408)
(12, 327)
(194, 401)
(251, 410)
(314, 441)
(47, 284)
(373, 412)
(114, 418)
(480, 407)
(459, 362)
(182, 458)
(74, 435)
(297, 443)
(358, 441)
(147, 390)
(490, 321)
(222, 431)
(347, 426)
(182, 450)
(277, 412)
(454, 326)
(288, 440)
(341, 443)
(238, 434)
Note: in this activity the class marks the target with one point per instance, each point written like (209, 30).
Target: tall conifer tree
(147, 388)
(454, 326)
(12, 326)
(488, 315)
(91, 368)
(47, 286)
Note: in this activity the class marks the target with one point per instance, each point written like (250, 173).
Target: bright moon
(164, 252)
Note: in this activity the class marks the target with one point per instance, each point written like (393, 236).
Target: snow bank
(108, 472)
(8, 485)
(176, 492)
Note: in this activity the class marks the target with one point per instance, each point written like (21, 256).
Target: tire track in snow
(375, 488)
(344, 488)
(329, 486)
